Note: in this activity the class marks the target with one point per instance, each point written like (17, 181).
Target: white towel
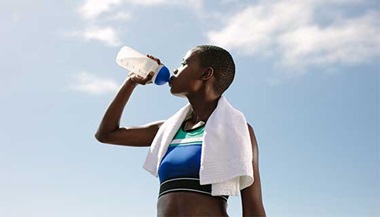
(226, 158)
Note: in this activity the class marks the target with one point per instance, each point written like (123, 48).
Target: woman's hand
(137, 79)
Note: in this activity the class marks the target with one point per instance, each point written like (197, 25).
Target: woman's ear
(208, 73)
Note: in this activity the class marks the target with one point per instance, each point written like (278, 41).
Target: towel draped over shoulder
(226, 158)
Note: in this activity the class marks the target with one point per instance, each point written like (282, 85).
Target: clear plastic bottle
(140, 64)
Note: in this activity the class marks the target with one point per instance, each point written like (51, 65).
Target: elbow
(100, 137)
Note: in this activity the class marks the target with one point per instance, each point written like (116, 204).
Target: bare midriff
(190, 204)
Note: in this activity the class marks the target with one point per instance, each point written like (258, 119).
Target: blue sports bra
(179, 167)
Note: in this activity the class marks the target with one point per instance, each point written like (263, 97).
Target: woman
(206, 72)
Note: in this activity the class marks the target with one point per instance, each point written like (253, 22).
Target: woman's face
(187, 78)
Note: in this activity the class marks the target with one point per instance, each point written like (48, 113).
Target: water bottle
(141, 65)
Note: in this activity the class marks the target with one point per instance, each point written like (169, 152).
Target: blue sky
(307, 80)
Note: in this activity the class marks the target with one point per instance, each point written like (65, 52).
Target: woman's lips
(171, 80)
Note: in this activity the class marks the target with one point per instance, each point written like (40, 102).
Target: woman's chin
(177, 94)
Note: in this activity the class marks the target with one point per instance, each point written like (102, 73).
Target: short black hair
(221, 61)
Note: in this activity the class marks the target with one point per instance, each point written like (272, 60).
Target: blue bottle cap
(163, 76)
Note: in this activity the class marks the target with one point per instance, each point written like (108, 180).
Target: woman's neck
(203, 108)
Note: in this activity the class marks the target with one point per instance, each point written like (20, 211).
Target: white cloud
(120, 16)
(292, 32)
(252, 30)
(93, 8)
(92, 84)
(351, 41)
(148, 2)
(107, 35)
(96, 11)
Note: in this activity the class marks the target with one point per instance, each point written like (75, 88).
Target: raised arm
(109, 130)
(251, 197)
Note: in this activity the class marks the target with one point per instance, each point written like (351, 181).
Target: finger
(130, 74)
(148, 78)
(136, 78)
(154, 58)
(144, 80)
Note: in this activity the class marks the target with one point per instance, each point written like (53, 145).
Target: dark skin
(196, 84)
